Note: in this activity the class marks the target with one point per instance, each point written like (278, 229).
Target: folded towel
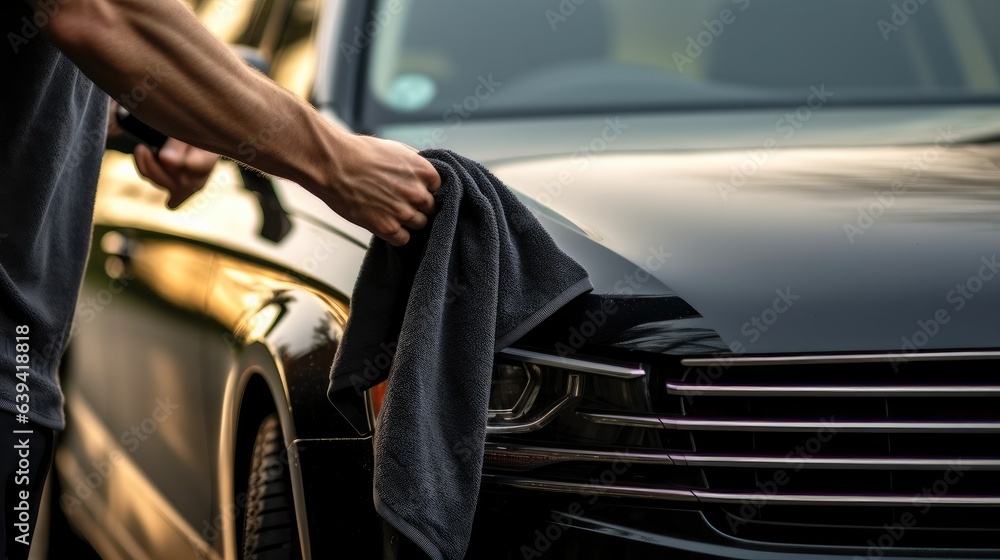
(475, 280)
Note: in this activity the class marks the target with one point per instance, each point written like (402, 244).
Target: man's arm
(193, 88)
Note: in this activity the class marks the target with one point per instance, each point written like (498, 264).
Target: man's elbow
(74, 25)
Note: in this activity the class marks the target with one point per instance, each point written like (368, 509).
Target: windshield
(433, 58)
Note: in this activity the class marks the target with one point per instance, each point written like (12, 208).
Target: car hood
(806, 249)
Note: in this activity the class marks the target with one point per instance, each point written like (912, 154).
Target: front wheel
(269, 530)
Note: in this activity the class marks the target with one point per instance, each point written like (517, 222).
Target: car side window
(293, 64)
(242, 22)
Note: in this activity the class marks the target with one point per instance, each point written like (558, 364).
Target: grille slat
(755, 425)
(524, 457)
(892, 358)
(748, 425)
(687, 390)
(742, 497)
(761, 461)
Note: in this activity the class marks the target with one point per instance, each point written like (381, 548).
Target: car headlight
(513, 390)
(529, 389)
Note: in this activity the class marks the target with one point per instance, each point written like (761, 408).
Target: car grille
(847, 450)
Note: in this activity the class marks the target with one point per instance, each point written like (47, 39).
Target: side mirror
(276, 224)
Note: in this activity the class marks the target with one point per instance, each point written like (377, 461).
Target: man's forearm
(158, 60)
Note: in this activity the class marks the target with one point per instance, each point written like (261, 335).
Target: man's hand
(383, 186)
(180, 168)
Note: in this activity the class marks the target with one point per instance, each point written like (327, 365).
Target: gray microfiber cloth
(475, 280)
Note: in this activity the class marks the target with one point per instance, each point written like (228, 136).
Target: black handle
(138, 130)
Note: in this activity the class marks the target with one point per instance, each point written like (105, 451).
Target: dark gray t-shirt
(52, 127)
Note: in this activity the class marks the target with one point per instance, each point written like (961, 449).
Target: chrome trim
(753, 425)
(623, 420)
(588, 490)
(684, 389)
(573, 364)
(542, 456)
(874, 463)
(547, 456)
(574, 390)
(844, 499)
(838, 359)
(621, 491)
(809, 426)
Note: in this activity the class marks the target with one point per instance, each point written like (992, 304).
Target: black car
(790, 212)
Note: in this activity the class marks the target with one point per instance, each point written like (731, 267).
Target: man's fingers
(418, 221)
(149, 167)
(152, 168)
(398, 239)
(426, 204)
(172, 154)
(432, 178)
(142, 155)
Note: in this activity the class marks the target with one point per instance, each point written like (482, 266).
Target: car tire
(269, 529)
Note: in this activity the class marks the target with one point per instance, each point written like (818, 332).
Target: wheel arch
(256, 391)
